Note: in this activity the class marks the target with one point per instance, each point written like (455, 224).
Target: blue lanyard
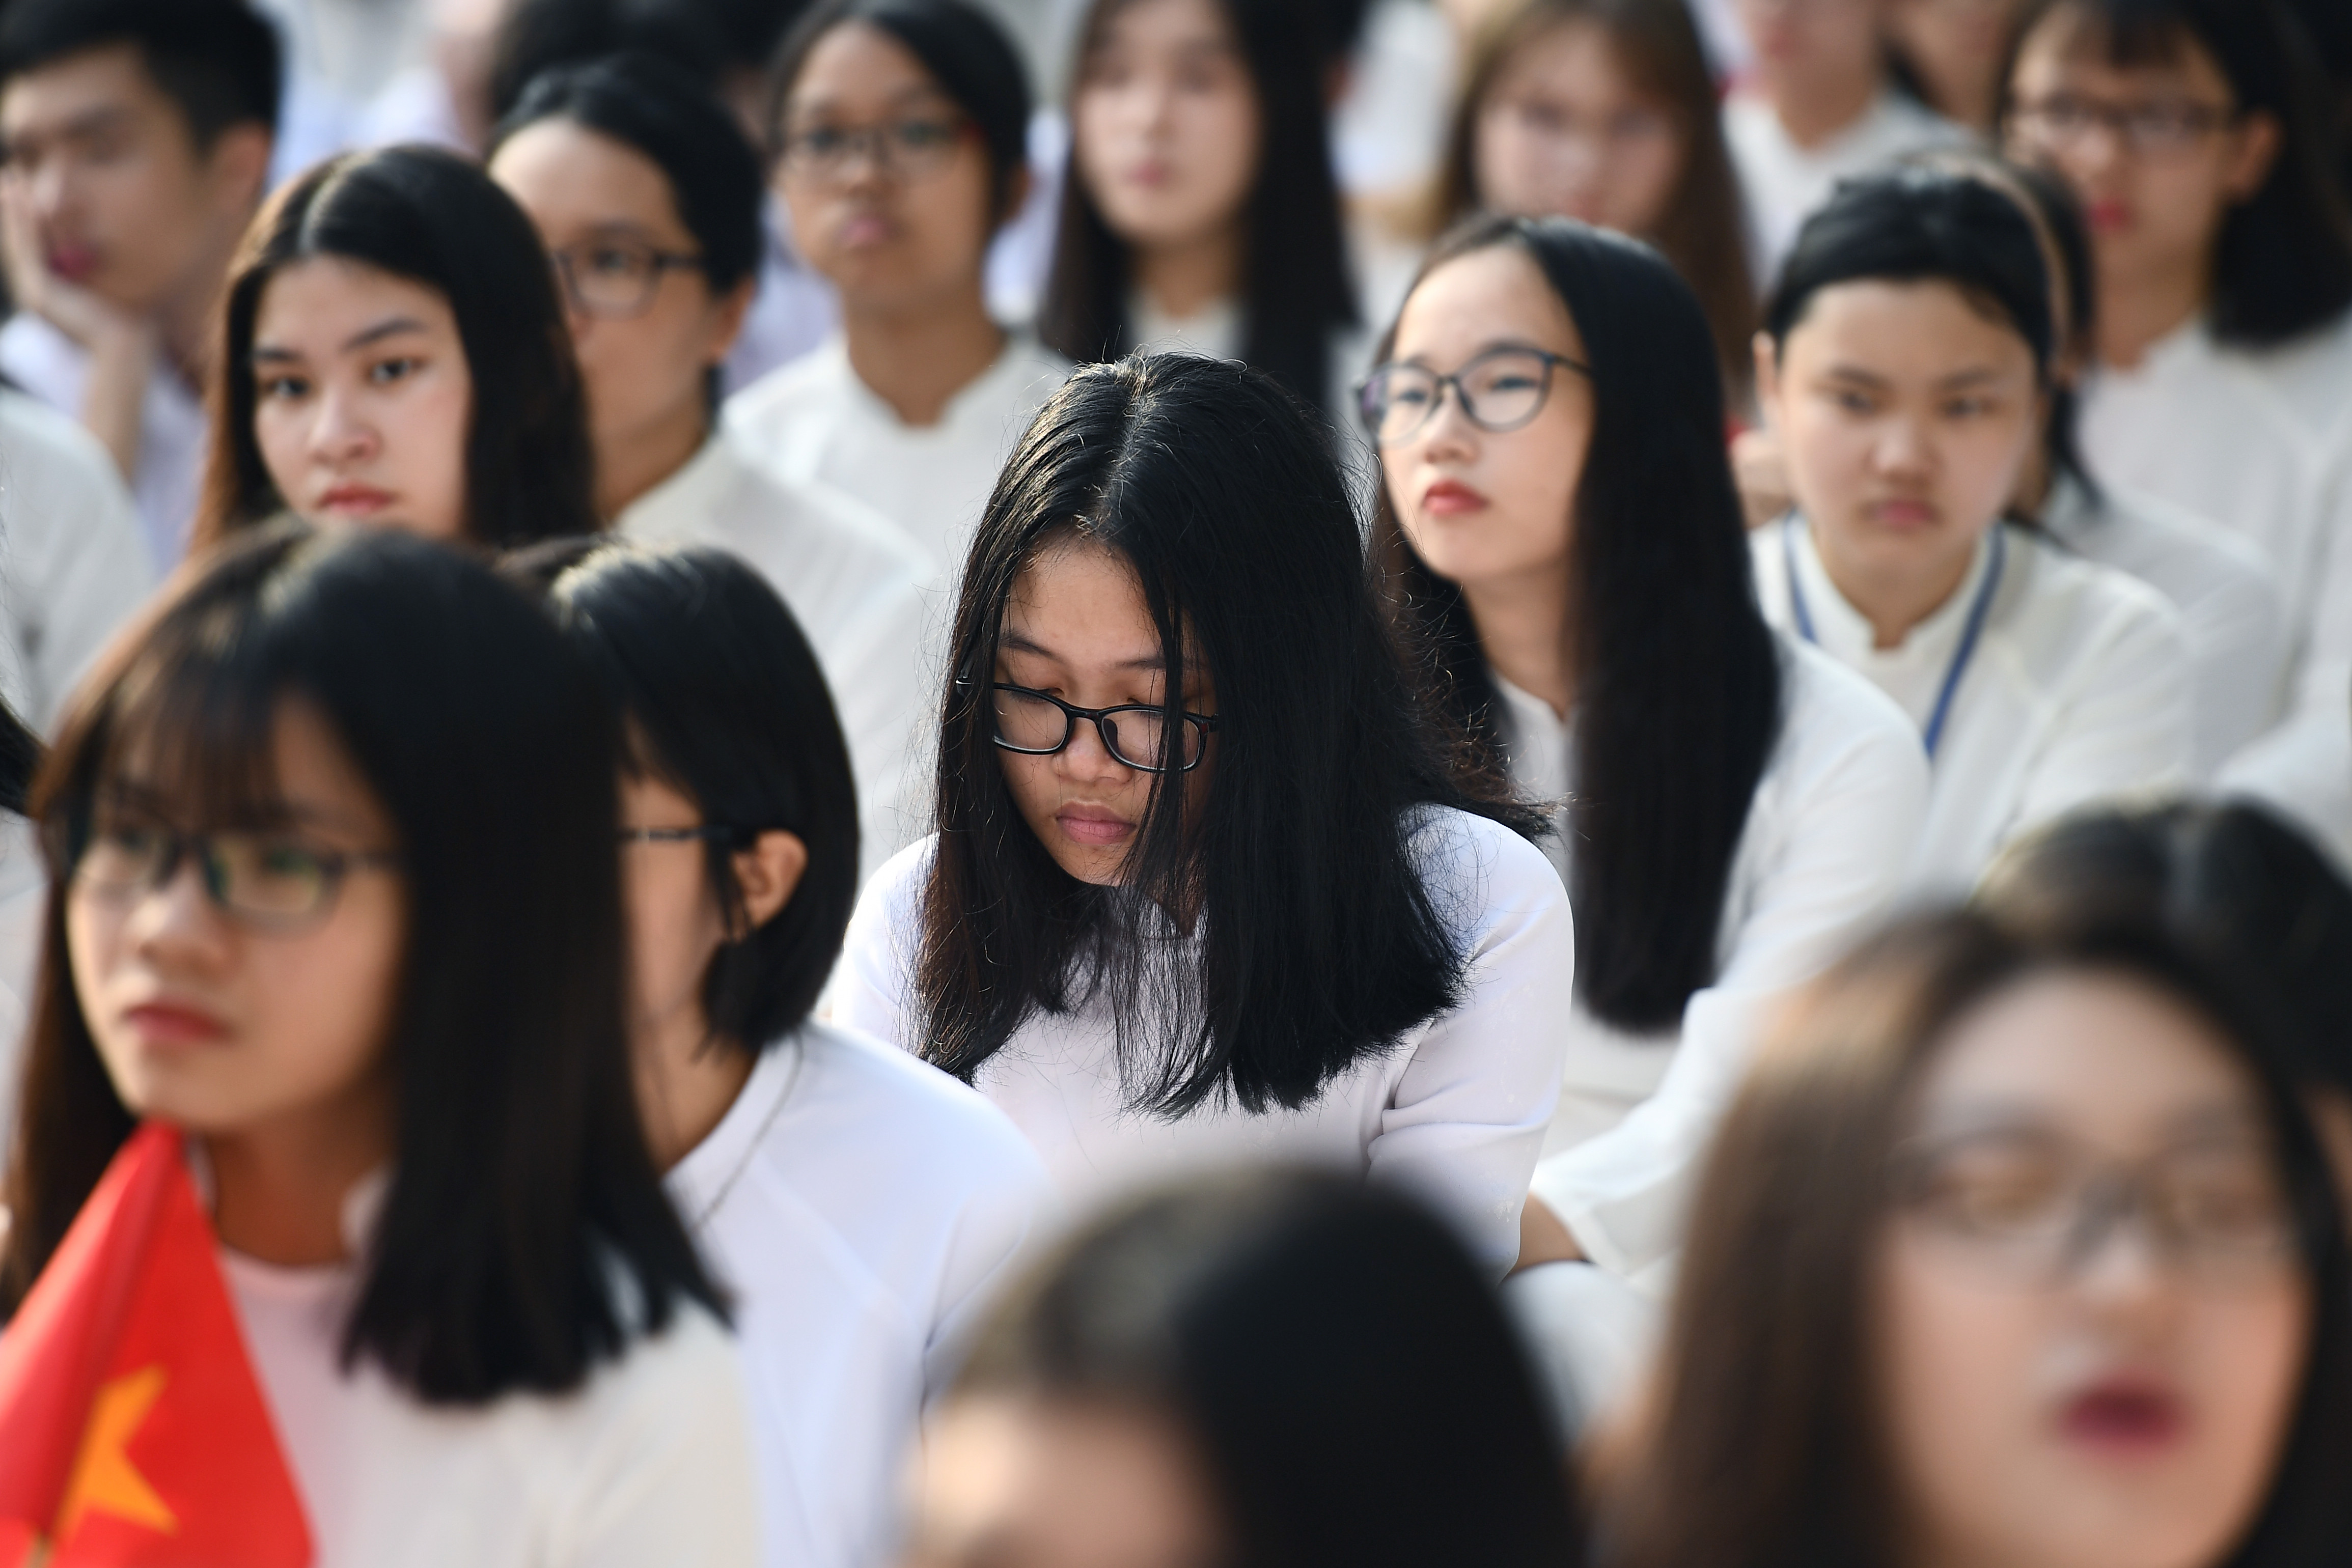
(1969, 633)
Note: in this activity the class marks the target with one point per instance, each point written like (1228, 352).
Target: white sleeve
(1011, 1211)
(2123, 726)
(1467, 1119)
(876, 671)
(2236, 631)
(1850, 821)
(870, 984)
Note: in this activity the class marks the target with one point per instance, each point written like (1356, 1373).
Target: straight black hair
(2283, 263)
(726, 704)
(1320, 946)
(525, 1236)
(712, 41)
(217, 60)
(20, 759)
(658, 111)
(1247, 1308)
(1679, 682)
(1296, 292)
(435, 218)
(962, 49)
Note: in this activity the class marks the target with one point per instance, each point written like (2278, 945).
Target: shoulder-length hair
(1678, 678)
(434, 218)
(1316, 944)
(1245, 1309)
(2283, 263)
(1764, 1443)
(1703, 229)
(525, 1236)
(1296, 289)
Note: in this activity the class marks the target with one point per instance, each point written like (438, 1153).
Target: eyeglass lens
(611, 277)
(1135, 735)
(908, 147)
(266, 877)
(2148, 129)
(1500, 391)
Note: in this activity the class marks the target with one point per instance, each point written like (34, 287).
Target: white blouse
(2077, 692)
(1455, 1112)
(1784, 183)
(650, 1460)
(1832, 824)
(852, 579)
(2231, 609)
(861, 1210)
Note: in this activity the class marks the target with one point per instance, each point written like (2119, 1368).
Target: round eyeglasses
(269, 880)
(910, 149)
(2160, 131)
(616, 278)
(1499, 390)
(1036, 724)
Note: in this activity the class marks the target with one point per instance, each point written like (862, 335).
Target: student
(1273, 1367)
(137, 137)
(343, 812)
(1817, 109)
(1210, 894)
(861, 1207)
(1556, 506)
(1200, 211)
(1605, 110)
(1947, 54)
(2068, 1285)
(1904, 368)
(394, 357)
(648, 198)
(900, 130)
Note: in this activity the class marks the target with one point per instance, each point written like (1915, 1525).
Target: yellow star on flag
(103, 1476)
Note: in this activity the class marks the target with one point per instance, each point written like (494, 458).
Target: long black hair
(2283, 263)
(1678, 678)
(431, 216)
(1321, 946)
(727, 704)
(1247, 1308)
(1296, 287)
(525, 1236)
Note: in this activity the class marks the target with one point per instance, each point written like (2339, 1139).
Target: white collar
(1846, 633)
(693, 491)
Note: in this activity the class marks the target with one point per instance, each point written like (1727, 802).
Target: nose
(1087, 759)
(1903, 450)
(341, 433)
(1448, 433)
(176, 922)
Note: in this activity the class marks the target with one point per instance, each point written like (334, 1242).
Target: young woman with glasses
(861, 1208)
(2014, 1250)
(899, 147)
(1206, 889)
(393, 355)
(648, 198)
(334, 896)
(1556, 523)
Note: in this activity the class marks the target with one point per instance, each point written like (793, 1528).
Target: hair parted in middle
(1318, 944)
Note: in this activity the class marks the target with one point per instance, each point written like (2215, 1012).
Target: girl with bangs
(331, 840)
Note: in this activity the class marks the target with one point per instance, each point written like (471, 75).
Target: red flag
(133, 1431)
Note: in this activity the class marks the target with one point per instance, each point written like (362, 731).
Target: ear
(239, 166)
(2259, 140)
(767, 872)
(727, 318)
(1767, 373)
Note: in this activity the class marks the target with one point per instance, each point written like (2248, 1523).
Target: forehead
(112, 76)
(1924, 330)
(320, 302)
(1573, 55)
(569, 177)
(859, 64)
(1493, 294)
(1081, 601)
(2106, 1057)
(2070, 45)
(1167, 25)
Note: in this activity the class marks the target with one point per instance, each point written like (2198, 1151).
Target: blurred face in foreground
(2093, 1315)
(1568, 132)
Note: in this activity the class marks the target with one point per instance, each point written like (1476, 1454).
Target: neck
(686, 1081)
(629, 466)
(917, 356)
(1519, 620)
(1894, 599)
(280, 1190)
(1813, 112)
(186, 321)
(2137, 312)
(1184, 279)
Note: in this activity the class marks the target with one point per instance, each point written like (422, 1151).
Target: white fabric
(1591, 1336)
(2231, 609)
(2078, 692)
(1388, 130)
(861, 1210)
(173, 432)
(796, 310)
(853, 579)
(648, 1461)
(2303, 769)
(1455, 1112)
(1830, 829)
(1784, 183)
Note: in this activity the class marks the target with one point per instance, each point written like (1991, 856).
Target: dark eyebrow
(383, 329)
(1491, 345)
(1977, 377)
(1856, 374)
(1017, 644)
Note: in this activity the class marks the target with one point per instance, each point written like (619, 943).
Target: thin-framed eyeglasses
(701, 833)
(1499, 390)
(2157, 130)
(2037, 1207)
(1035, 724)
(269, 880)
(911, 149)
(617, 278)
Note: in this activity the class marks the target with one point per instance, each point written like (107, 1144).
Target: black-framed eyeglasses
(2157, 130)
(1037, 725)
(616, 277)
(702, 832)
(269, 880)
(1499, 390)
(911, 149)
